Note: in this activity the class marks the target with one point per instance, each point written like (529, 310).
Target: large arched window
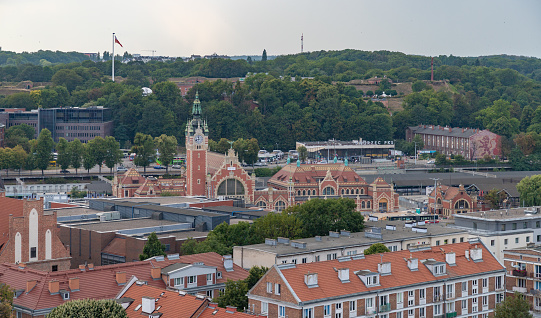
(33, 240)
(230, 187)
(362, 190)
(347, 191)
(279, 206)
(299, 192)
(328, 191)
(303, 192)
(48, 245)
(462, 204)
(362, 205)
(368, 204)
(313, 192)
(262, 204)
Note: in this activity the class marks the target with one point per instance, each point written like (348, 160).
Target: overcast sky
(240, 27)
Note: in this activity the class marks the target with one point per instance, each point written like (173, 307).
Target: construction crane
(153, 51)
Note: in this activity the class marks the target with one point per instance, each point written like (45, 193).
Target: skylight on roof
(137, 308)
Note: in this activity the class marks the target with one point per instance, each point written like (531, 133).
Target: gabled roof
(8, 206)
(169, 303)
(99, 283)
(311, 174)
(329, 285)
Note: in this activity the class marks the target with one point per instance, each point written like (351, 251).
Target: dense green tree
(530, 190)
(376, 248)
(19, 135)
(6, 300)
(167, 149)
(88, 308)
(319, 216)
(43, 149)
(98, 148)
(235, 291)
(515, 306)
(76, 150)
(89, 159)
(18, 158)
(68, 78)
(303, 153)
(144, 149)
(279, 224)
(153, 247)
(113, 154)
(64, 155)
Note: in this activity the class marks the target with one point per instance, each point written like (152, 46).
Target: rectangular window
(329, 257)
(485, 301)
(464, 286)
(514, 226)
(422, 293)
(521, 282)
(422, 312)
(192, 279)
(492, 242)
(505, 242)
(317, 258)
(179, 281)
(209, 293)
(264, 307)
(33, 252)
(537, 224)
(304, 260)
(527, 239)
(399, 314)
(516, 240)
(209, 278)
(499, 298)
(294, 261)
(399, 297)
(269, 288)
(369, 303)
(281, 311)
(277, 289)
(499, 280)
(327, 310)
(454, 240)
(307, 313)
(437, 310)
(461, 240)
(411, 313)
(464, 304)
(525, 225)
(474, 287)
(437, 242)
(502, 227)
(539, 238)
(485, 282)
(352, 305)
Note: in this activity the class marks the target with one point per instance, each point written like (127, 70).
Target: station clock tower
(196, 151)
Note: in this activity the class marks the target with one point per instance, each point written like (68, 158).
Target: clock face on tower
(198, 139)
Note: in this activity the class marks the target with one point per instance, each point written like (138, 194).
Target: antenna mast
(302, 44)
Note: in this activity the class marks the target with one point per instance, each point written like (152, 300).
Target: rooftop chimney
(476, 254)
(121, 278)
(413, 264)
(310, 280)
(90, 267)
(148, 304)
(30, 284)
(228, 263)
(343, 274)
(74, 283)
(156, 273)
(230, 309)
(467, 254)
(54, 286)
(450, 258)
(82, 267)
(384, 268)
(22, 265)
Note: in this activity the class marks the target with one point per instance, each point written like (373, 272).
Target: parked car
(175, 166)
(159, 167)
(64, 171)
(121, 169)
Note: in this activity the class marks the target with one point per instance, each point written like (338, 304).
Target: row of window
(78, 127)
(190, 280)
(332, 256)
(446, 241)
(514, 226)
(517, 240)
(330, 191)
(78, 134)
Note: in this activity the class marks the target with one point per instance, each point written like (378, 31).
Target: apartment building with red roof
(454, 280)
(139, 299)
(38, 292)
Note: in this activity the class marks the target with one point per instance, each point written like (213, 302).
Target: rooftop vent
(334, 234)
(271, 242)
(149, 304)
(476, 254)
(384, 268)
(345, 233)
(343, 274)
(318, 238)
(413, 264)
(283, 240)
(390, 227)
(373, 232)
(450, 258)
(228, 263)
(310, 280)
(298, 244)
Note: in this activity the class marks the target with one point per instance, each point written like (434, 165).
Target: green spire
(196, 109)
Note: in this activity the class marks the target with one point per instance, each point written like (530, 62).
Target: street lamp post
(415, 152)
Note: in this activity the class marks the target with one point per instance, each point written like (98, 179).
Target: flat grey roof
(358, 238)
(160, 200)
(503, 214)
(183, 234)
(123, 224)
(73, 211)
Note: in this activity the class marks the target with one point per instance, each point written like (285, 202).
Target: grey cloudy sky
(238, 27)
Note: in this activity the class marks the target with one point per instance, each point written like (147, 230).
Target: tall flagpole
(113, 71)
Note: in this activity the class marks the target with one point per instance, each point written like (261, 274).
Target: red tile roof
(331, 286)
(99, 283)
(309, 174)
(8, 206)
(169, 304)
(116, 247)
(213, 311)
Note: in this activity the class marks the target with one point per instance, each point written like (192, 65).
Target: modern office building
(504, 229)
(69, 123)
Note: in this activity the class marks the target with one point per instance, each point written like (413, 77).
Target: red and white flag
(117, 41)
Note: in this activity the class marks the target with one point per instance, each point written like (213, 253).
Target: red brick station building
(215, 175)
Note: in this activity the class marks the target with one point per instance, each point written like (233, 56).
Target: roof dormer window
(369, 278)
